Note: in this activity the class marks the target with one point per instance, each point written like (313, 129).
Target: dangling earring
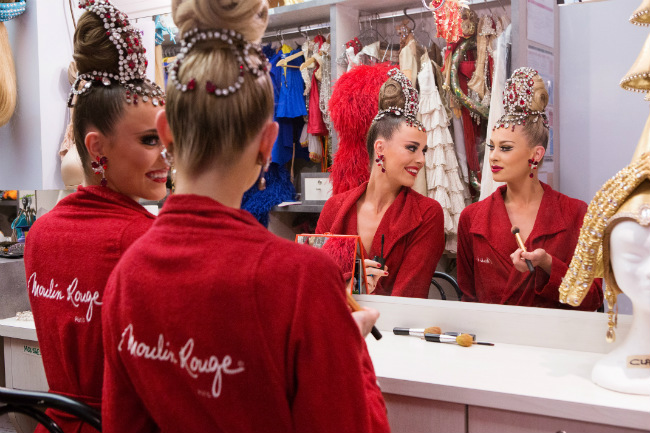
(99, 167)
(261, 181)
(168, 158)
(533, 166)
(380, 163)
(612, 316)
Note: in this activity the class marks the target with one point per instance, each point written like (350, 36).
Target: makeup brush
(515, 231)
(354, 305)
(417, 332)
(464, 340)
(381, 260)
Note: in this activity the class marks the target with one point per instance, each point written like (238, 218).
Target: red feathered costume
(353, 105)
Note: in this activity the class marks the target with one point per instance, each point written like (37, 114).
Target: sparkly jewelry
(380, 163)
(533, 166)
(99, 167)
(132, 63)
(587, 262)
(237, 44)
(9, 11)
(517, 98)
(354, 43)
(411, 106)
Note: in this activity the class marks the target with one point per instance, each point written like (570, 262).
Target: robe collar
(402, 217)
(491, 217)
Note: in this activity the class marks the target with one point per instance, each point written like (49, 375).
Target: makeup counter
(535, 378)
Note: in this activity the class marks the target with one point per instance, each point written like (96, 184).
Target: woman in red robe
(386, 206)
(71, 250)
(492, 267)
(211, 322)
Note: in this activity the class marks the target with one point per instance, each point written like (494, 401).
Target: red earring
(99, 167)
(533, 166)
(380, 163)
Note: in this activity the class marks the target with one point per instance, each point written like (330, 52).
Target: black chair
(448, 278)
(32, 404)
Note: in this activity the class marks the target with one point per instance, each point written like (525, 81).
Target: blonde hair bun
(540, 95)
(247, 17)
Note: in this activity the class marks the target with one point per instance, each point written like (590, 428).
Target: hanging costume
(93, 226)
(240, 332)
(414, 238)
(353, 105)
(485, 271)
(442, 174)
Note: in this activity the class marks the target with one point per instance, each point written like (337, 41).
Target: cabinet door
(418, 415)
(24, 365)
(484, 420)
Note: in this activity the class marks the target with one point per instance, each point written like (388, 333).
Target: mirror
(347, 253)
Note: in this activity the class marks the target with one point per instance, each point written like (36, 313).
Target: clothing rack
(299, 30)
(388, 15)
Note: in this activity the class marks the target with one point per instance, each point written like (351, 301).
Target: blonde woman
(211, 322)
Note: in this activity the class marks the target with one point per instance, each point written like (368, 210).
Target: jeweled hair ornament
(9, 11)
(517, 100)
(241, 48)
(626, 195)
(411, 105)
(132, 65)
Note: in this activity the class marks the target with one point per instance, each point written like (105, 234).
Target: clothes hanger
(370, 33)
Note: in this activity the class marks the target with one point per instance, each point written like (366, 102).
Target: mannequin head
(629, 246)
(395, 137)
(107, 119)
(205, 130)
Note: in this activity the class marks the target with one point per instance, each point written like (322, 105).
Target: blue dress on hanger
(290, 108)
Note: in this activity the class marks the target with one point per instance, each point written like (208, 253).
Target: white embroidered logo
(193, 365)
(73, 296)
(484, 260)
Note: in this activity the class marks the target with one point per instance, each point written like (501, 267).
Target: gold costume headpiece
(641, 16)
(624, 196)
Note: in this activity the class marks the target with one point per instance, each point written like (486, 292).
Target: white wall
(601, 122)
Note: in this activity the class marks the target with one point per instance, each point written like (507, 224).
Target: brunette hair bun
(247, 17)
(93, 51)
(391, 95)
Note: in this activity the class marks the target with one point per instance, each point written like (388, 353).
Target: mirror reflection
(347, 253)
(443, 178)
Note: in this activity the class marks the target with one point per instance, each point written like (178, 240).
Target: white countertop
(543, 381)
(14, 328)
(536, 380)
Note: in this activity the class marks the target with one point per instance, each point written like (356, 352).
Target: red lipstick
(496, 169)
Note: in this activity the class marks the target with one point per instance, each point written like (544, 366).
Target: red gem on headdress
(210, 87)
(191, 85)
(131, 65)
(129, 51)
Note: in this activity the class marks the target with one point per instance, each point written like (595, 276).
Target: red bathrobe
(212, 323)
(485, 242)
(414, 238)
(69, 254)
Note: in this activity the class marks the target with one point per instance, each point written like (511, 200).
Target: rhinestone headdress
(132, 64)
(238, 45)
(517, 99)
(411, 106)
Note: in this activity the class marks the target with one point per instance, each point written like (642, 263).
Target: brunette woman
(492, 267)
(411, 224)
(211, 322)
(71, 250)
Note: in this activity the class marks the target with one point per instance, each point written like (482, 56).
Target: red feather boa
(353, 105)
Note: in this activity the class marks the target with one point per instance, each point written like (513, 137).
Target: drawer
(418, 415)
(24, 365)
(485, 420)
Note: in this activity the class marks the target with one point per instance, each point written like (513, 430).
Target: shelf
(304, 208)
(309, 12)
(13, 203)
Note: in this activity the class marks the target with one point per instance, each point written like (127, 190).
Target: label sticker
(32, 350)
(638, 361)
